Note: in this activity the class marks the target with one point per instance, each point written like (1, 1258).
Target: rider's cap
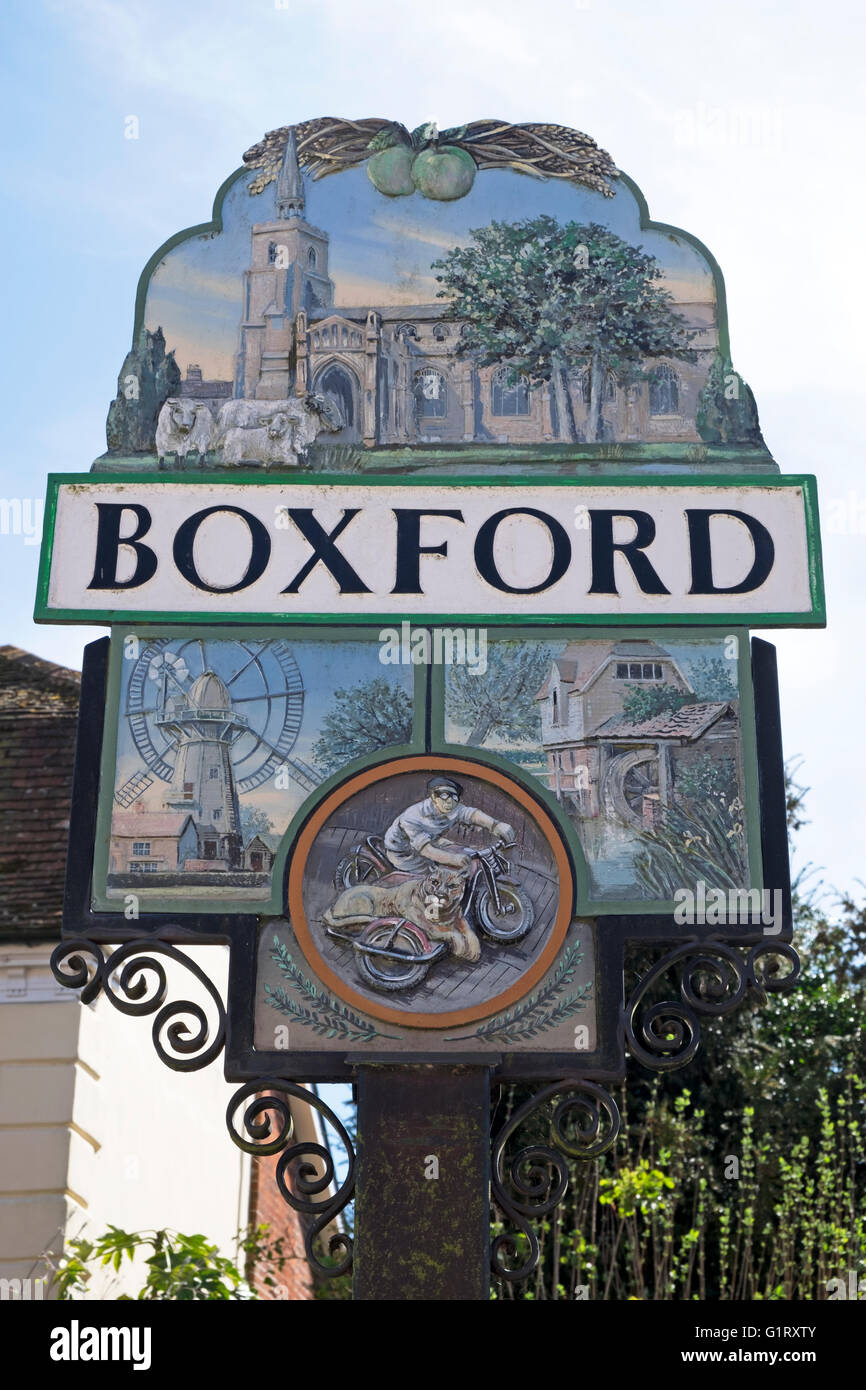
(444, 784)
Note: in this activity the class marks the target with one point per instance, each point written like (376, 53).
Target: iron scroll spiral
(715, 980)
(269, 1123)
(134, 980)
(531, 1183)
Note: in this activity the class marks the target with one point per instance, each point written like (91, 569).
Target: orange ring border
(431, 762)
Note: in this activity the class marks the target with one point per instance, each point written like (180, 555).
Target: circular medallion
(430, 891)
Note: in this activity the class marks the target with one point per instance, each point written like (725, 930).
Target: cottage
(260, 852)
(150, 842)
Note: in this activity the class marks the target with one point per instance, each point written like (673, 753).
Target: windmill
(214, 719)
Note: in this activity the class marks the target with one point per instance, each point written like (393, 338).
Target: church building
(394, 368)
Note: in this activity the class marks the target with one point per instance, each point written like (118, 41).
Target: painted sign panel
(220, 744)
(499, 286)
(669, 550)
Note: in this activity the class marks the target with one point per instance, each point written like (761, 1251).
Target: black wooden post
(422, 1210)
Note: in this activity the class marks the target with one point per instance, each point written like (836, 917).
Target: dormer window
(639, 671)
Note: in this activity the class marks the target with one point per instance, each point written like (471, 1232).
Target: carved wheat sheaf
(330, 144)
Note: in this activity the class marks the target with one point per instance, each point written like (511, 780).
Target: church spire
(290, 185)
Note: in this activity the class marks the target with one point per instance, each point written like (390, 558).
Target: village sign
(464, 382)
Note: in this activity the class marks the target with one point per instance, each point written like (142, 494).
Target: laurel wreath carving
(541, 1010)
(325, 1016)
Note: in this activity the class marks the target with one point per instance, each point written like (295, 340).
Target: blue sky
(379, 252)
(741, 123)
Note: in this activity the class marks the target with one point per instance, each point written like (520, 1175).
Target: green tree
(642, 702)
(713, 678)
(365, 717)
(727, 413)
(254, 821)
(502, 700)
(549, 298)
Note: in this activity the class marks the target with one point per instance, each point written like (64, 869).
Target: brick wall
(295, 1280)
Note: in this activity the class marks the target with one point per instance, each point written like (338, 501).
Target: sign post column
(422, 1211)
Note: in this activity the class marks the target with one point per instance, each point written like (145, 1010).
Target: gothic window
(554, 707)
(312, 258)
(440, 332)
(406, 331)
(510, 397)
(272, 252)
(664, 392)
(345, 337)
(586, 388)
(431, 394)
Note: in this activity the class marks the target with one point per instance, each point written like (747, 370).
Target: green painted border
(273, 904)
(807, 482)
(585, 904)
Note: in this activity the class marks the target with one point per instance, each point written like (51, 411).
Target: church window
(345, 337)
(312, 258)
(214, 773)
(664, 392)
(315, 340)
(510, 393)
(586, 388)
(431, 394)
(554, 702)
(440, 332)
(272, 252)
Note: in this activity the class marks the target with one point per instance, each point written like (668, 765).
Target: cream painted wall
(94, 1128)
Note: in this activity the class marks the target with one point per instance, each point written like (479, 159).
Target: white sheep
(184, 427)
(270, 443)
(273, 432)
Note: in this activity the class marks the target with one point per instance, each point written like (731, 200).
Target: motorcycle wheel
(392, 975)
(354, 869)
(505, 925)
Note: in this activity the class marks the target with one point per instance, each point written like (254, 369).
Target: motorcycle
(394, 954)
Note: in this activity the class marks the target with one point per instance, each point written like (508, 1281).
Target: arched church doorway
(340, 384)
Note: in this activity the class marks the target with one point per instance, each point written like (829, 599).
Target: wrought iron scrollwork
(269, 1123)
(530, 1183)
(134, 980)
(715, 979)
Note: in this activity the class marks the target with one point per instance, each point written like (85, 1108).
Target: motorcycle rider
(416, 836)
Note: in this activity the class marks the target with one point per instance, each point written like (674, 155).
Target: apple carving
(391, 171)
(443, 172)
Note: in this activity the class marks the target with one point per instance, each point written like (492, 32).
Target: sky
(379, 251)
(741, 123)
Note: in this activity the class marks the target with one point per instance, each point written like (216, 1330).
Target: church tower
(288, 273)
